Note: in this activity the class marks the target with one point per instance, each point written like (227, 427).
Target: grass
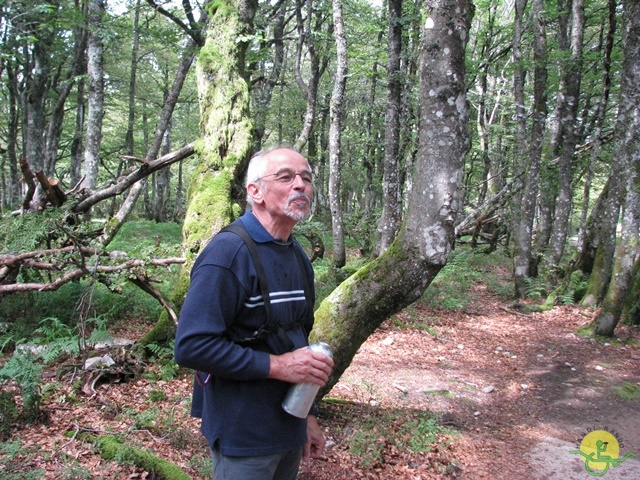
(93, 302)
(628, 391)
(374, 435)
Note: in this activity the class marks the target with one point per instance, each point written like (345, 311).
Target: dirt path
(523, 390)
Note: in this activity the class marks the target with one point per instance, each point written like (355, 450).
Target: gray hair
(255, 171)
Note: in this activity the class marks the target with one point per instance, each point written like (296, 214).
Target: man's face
(288, 188)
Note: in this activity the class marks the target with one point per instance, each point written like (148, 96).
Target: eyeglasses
(286, 176)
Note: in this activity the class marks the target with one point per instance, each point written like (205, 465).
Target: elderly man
(244, 328)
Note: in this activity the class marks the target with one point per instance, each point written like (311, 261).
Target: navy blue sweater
(240, 408)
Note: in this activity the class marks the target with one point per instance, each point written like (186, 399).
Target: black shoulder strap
(262, 278)
(283, 342)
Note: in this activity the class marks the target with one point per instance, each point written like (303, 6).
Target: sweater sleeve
(202, 343)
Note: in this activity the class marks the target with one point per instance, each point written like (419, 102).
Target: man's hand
(315, 439)
(301, 366)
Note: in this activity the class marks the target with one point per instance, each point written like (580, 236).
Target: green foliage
(85, 305)
(163, 356)
(8, 414)
(201, 464)
(452, 287)
(56, 339)
(25, 233)
(379, 430)
(421, 433)
(15, 459)
(628, 391)
(535, 289)
(578, 284)
(157, 396)
(24, 369)
(144, 238)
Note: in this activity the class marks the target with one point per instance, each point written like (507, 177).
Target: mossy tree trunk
(224, 149)
(627, 143)
(400, 276)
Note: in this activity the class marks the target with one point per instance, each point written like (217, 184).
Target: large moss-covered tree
(227, 136)
(627, 141)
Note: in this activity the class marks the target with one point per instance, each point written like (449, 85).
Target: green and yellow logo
(600, 450)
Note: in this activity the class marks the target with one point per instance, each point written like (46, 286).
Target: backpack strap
(241, 231)
(274, 335)
(271, 333)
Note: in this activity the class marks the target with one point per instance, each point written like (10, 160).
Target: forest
(433, 126)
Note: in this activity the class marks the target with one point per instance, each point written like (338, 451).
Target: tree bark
(398, 277)
(309, 90)
(223, 91)
(131, 114)
(523, 233)
(389, 220)
(262, 90)
(628, 131)
(95, 71)
(601, 116)
(337, 112)
(573, 77)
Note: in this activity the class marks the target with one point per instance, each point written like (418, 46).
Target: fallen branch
(138, 174)
(81, 272)
(142, 281)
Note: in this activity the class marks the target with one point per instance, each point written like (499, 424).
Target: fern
(23, 369)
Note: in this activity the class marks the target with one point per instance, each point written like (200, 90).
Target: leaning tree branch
(123, 183)
(75, 274)
(478, 211)
(143, 281)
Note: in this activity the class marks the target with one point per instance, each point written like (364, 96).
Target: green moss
(628, 391)
(222, 8)
(163, 331)
(112, 448)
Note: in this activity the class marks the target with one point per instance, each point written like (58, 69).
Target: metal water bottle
(301, 395)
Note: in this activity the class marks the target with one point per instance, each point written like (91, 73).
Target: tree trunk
(398, 277)
(573, 79)
(389, 221)
(128, 141)
(310, 90)
(628, 139)
(337, 112)
(162, 184)
(95, 108)
(113, 226)
(12, 194)
(223, 91)
(522, 233)
(601, 116)
(262, 91)
(524, 229)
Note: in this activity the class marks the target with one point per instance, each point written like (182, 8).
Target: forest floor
(512, 394)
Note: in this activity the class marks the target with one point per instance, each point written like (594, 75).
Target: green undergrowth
(375, 436)
(452, 289)
(114, 448)
(628, 391)
(92, 301)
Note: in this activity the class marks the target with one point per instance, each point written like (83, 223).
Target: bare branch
(25, 260)
(192, 29)
(142, 281)
(125, 182)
